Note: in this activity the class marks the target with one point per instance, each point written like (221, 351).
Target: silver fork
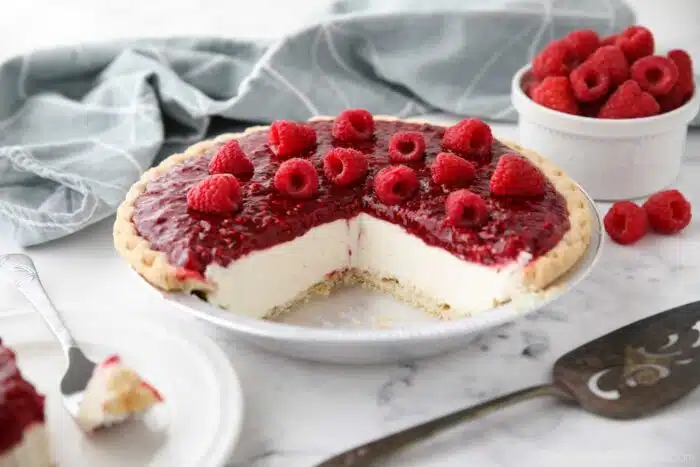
(21, 272)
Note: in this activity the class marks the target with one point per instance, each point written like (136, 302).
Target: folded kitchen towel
(79, 125)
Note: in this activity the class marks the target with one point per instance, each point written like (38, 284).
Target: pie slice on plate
(448, 219)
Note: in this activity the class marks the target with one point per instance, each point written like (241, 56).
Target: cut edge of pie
(537, 276)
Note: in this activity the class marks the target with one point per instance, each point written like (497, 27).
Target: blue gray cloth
(78, 125)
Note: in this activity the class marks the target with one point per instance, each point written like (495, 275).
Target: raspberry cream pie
(114, 393)
(24, 441)
(448, 219)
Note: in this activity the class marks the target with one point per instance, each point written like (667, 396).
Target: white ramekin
(610, 159)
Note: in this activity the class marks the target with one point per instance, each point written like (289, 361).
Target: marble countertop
(299, 412)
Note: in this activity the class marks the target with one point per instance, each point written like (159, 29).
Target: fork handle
(19, 269)
(364, 455)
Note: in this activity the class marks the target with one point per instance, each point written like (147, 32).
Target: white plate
(198, 424)
(357, 326)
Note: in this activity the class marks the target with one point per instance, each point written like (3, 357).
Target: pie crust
(539, 274)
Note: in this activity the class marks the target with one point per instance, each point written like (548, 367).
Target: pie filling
(23, 439)
(347, 228)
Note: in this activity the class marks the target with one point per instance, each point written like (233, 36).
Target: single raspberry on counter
(231, 159)
(451, 170)
(466, 209)
(655, 74)
(629, 101)
(406, 146)
(558, 58)
(590, 82)
(556, 93)
(215, 194)
(395, 184)
(289, 139)
(470, 136)
(516, 176)
(684, 63)
(636, 42)
(584, 42)
(668, 211)
(297, 178)
(612, 59)
(625, 222)
(608, 40)
(353, 125)
(344, 166)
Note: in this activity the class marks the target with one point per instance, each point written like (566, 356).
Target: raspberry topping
(406, 146)
(636, 42)
(395, 184)
(353, 125)
(344, 166)
(584, 42)
(217, 193)
(466, 209)
(655, 74)
(558, 58)
(451, 170)
(289, 139)
(516, 176)
(668, 211)
(613, 60)
(625, 222)
(470, 136)
(231, 159)
(111, 360)
(20, 404)
(267, 217)
(556, 93)
(590, 82)
(629, 101)
(296, 178)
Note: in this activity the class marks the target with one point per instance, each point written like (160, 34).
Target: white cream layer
(32, 451)
(259, 281)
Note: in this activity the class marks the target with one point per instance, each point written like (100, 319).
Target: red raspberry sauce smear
(193, 240)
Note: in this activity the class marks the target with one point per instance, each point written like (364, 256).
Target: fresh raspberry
(584, 42)
(406, 146)
(528, 84)
(231, 159)
(395, 183)
(629, 101)
(590, 82)
(353, 125)
(684, 63)
(217, 193)
(344, 166)
(466, 209)
(290, 139)
(297, 178)
(636, 42)
(451, 170)
(655, 74)
(674, 99)
(608, 40)
(556, 93)
(625, 222)
(668, 211)
(470, 136)
(516, 176)
(558, 58)
(613, 60)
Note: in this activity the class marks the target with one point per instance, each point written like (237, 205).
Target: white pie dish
(377, 329)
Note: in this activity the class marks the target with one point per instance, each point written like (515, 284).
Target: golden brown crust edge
(154, 267)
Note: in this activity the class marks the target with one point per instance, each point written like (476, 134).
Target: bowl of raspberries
(612, 112)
